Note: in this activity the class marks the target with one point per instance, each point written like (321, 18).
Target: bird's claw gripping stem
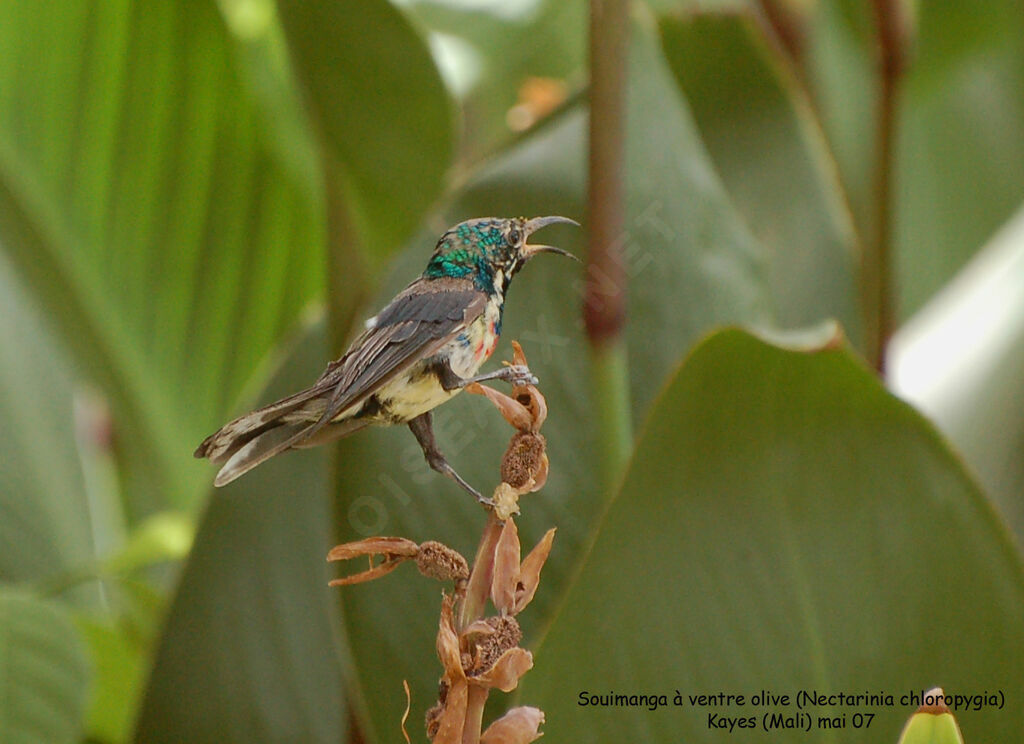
(515, 374)
(519, 374)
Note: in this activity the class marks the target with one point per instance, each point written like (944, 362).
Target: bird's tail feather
(296, 421)
(260, 448)
(273, 441)
(304, 407)
(245, 442)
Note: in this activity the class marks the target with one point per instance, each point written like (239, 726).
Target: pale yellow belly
(413, 393)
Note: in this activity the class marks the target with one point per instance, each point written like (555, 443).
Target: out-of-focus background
(199, 203)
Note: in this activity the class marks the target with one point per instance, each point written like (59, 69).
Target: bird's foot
(515, 374)
(518, 375)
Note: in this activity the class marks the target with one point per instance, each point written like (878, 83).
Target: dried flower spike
(480, 653)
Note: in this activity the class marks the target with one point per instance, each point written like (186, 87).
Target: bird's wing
(414, 325)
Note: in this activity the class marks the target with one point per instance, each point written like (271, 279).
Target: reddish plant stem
(604, 308)
(787, 26)
(876, 272)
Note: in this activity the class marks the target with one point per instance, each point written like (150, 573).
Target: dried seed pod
(490, 648)
(523, 460)
(437, 561)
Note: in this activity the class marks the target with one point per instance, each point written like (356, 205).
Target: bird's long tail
(249, 440)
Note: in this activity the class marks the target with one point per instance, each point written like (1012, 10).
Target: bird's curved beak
(531, 226)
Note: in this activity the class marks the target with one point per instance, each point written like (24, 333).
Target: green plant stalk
(610, 390)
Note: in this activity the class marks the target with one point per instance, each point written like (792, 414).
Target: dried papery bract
(517, 726)
(393, 551)
(506, 568)
(434, 560)
(529, 571)
(481, 652)
(451, 719)
(514, 583)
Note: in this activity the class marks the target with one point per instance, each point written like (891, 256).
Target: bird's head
(490, 250)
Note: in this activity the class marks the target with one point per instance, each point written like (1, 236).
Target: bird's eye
(514, 235)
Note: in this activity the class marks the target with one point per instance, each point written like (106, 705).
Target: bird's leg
(516, 374)
(423, 430)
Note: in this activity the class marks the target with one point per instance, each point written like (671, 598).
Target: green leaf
(118, 661)
(249, 652)
(145, 210)
(47, 524)
(691, 264)
(965, 372)
(43, 672)
(961, 148)
(380, 106)
(840, 71)
(959, 163)
(782, 527)
(759, 128)
(927, 727)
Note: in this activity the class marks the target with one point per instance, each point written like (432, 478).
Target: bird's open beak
(537, 223)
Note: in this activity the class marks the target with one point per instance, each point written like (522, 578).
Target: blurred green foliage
(200, 200)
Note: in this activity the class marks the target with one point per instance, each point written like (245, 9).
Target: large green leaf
(959, 163)
(839, 67)
(118, 665)
(785, 525)
(46, 525)
(767, 146)
(961, 146)
(249, 652)
(691, 264)
(381, 108)
(961, 359)
(143, 206)
(43, 673)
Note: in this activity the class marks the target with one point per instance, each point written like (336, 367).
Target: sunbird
(423, 348)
